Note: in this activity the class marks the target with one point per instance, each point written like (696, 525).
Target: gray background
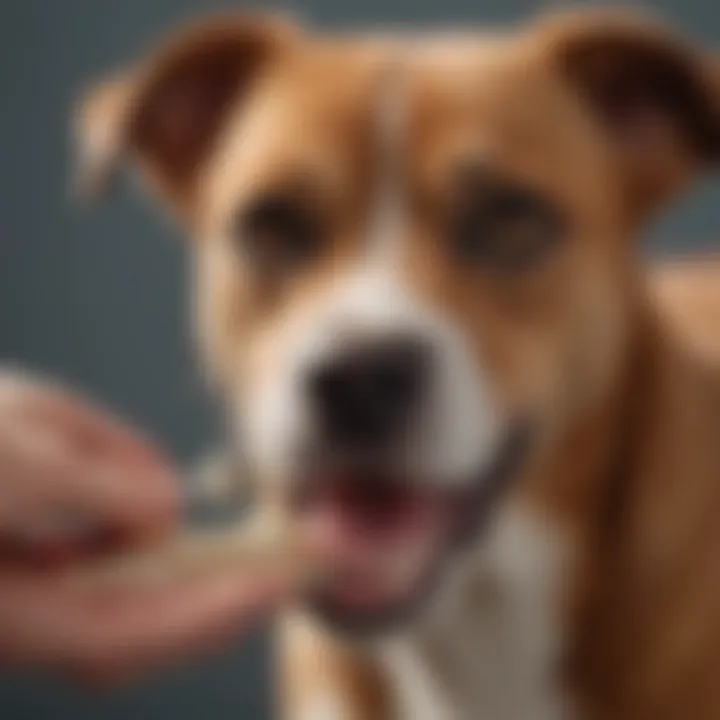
(98, 298)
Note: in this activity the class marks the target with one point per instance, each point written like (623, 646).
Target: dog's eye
(507, 230)
(279, 233)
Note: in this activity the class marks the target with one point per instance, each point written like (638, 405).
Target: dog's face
(413, 256)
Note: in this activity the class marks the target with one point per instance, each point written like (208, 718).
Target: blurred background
(98, 296)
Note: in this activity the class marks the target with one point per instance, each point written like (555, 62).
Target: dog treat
(218, 479)
(264, 542)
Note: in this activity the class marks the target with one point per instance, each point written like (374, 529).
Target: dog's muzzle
(390, 524)
(364, 400)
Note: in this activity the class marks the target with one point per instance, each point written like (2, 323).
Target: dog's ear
(166, 114)
(657, 98)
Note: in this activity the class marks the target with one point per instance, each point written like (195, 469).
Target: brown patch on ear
(168, 112)
(657, 97)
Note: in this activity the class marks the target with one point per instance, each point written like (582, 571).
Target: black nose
(364, 399)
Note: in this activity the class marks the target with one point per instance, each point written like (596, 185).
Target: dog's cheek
(601, 338)
(549, 340)
(466, 410)
(513, 351)
(232, 308)
(269, 403)
(222, 311)
(590, 341)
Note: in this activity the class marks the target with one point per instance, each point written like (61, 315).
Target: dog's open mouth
(389, 536)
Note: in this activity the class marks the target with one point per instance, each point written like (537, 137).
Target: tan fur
(688, 292)
(621, 368)
(652, 647)
(317, 672)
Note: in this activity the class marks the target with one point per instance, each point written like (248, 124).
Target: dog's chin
(390, 538)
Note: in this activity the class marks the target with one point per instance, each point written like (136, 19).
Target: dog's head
(413, 254)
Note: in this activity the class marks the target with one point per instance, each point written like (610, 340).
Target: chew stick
(260, 545)
(265, 542)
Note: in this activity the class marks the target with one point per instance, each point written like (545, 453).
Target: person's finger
(116, 636)
(178, 623)
(44, 480)
(26, 457)
(97, 432)
(81, 425)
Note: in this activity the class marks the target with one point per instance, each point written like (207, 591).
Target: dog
(420, 293)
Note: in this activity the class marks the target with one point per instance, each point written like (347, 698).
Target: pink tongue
(365, 530)
(380, 511)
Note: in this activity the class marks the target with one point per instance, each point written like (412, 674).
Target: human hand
(74, 484)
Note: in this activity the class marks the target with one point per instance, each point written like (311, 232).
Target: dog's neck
(532, 599)
(650, 449)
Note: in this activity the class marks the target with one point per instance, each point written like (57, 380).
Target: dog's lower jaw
(493, 644)
(452, 520)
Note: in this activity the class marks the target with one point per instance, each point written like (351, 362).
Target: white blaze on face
(388, 214)
(457, 431)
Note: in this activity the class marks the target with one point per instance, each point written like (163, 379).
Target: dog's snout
(365, 398)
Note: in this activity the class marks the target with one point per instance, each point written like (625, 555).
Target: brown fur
(622, 369)
(638, 485)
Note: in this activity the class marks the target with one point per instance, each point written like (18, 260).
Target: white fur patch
(327, 706)
(387, 222)
(493, 651)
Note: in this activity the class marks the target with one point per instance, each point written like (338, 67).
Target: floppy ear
(657, 98)
(167, 113)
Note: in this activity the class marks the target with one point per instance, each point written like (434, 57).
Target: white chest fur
(493, 653)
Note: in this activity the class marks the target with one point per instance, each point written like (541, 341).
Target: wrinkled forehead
(332, 113)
